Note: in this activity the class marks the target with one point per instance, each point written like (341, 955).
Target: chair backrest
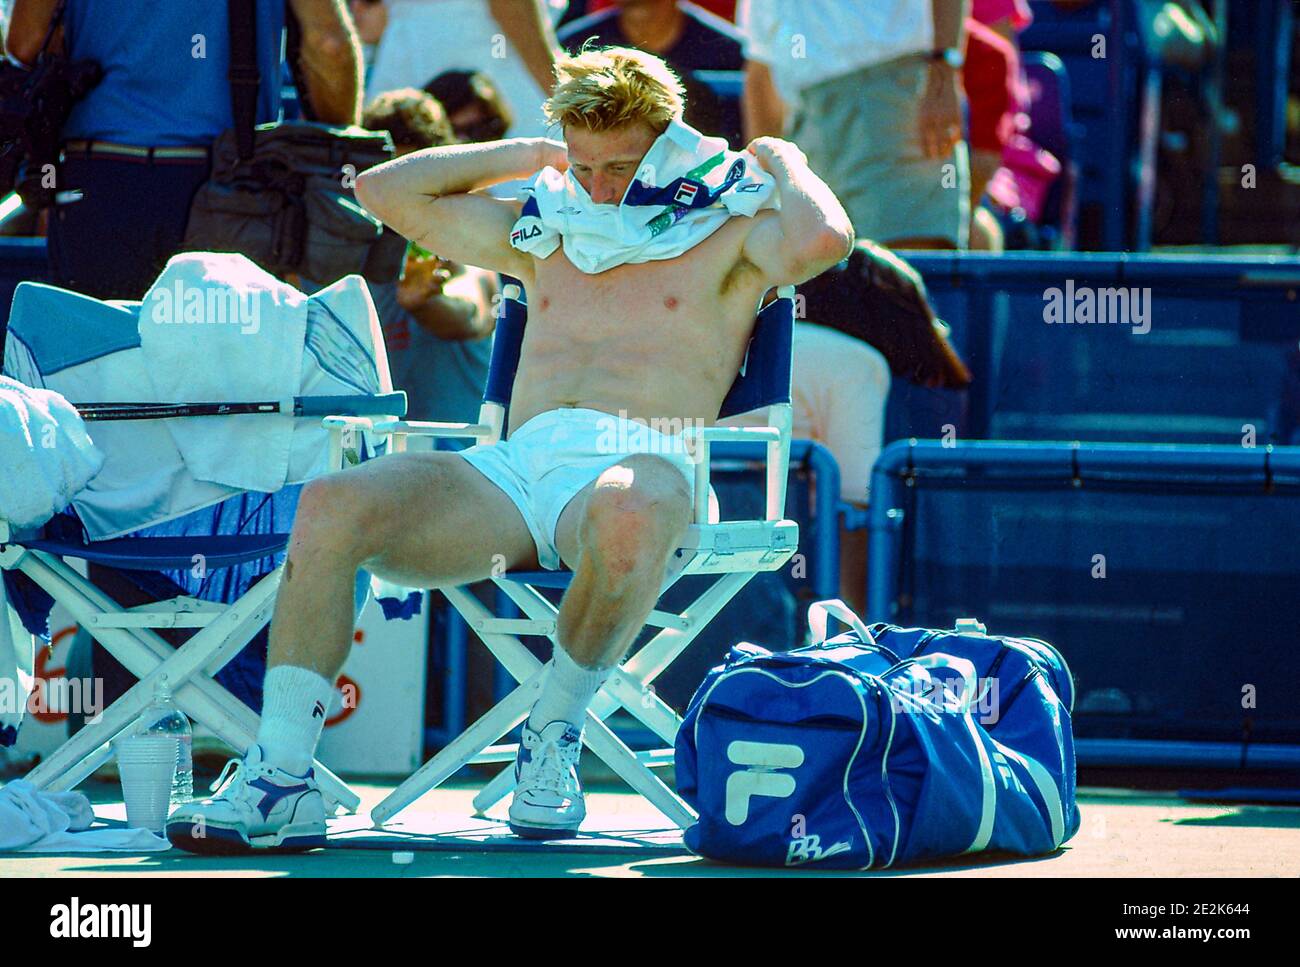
(763, 380)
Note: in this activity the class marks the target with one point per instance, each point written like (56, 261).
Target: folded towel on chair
(45, 457)
(45, 454)
(219, 327)
(687, 187)
(159, 470)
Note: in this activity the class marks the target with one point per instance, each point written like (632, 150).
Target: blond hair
(601, 88)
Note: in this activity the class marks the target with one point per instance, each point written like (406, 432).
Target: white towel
(92, 351)
(687, 187)
(35, 821)
(45, 454)
(17, 670)
(217, 327)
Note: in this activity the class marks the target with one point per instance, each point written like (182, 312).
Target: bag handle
(963, 666)
(818, 611)
(243, 76)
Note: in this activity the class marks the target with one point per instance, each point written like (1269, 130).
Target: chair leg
(178, 666)
(624, 689)
(627, 688)
(495, 723)
(146, 655)
(615, 754)
(604, 705)
(501, 785)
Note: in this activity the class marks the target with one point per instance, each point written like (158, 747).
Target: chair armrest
(340, 427)
(714, 433)
(698, 441)
(424, 428)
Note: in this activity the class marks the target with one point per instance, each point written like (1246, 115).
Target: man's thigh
(442, 522)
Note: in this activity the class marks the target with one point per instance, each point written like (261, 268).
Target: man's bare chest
(675, 294)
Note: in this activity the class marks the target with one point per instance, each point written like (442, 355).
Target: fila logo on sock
(318, 712)
(760, 778)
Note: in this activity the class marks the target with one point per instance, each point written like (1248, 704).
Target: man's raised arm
(810, 233)
(426, 196)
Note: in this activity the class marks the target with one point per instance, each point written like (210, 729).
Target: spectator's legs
(985, 232)
(853, 568)
(841, 386)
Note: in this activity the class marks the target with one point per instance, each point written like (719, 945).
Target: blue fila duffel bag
(881, 746)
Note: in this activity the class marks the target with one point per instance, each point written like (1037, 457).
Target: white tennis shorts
(547, 461)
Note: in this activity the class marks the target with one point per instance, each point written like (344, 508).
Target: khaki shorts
(859, 132)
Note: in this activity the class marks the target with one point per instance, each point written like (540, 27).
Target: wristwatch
(949, 55)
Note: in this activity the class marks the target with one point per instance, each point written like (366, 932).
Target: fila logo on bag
(760, 777)
(1009, 778)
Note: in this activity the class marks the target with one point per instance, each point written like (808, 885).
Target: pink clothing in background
(994, 11)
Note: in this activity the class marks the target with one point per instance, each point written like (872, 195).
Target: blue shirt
(157, 89)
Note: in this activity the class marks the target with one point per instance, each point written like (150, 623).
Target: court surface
(1125, 833)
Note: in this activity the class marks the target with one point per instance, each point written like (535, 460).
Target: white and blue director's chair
(734, 551)
(224, 629)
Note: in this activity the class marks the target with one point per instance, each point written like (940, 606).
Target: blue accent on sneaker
(273, 793)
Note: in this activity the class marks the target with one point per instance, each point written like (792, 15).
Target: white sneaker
(548, 801)
(260, 808)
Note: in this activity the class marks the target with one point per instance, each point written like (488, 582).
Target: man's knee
(332, 515)
(635, 516)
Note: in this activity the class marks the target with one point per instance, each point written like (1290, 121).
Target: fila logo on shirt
(686, 193)
(529, 227)
(760, 777)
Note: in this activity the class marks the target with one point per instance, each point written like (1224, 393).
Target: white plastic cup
(147, 764)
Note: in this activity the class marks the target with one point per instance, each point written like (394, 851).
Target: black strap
(243, 76)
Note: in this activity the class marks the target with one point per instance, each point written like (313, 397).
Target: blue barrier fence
(1167, 575)
(1209, 363)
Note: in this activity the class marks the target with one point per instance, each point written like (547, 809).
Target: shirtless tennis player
(659, 339)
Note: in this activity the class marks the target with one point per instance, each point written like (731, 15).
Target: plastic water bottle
(162, 717)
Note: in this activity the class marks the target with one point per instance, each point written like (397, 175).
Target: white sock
(567, 691)
(294, 705)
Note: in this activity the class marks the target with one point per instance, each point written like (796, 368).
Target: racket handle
(384, 404)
